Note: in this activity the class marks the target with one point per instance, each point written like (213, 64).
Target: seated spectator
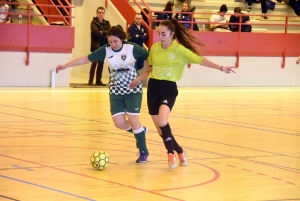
(165, 16)
(186, 16)
(236, 18)
(264, 8)
(4, 18)
(217, 21)
(295, 4)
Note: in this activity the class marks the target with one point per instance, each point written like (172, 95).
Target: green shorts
(129, 103)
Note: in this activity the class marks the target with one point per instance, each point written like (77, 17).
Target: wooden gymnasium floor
(242, 144)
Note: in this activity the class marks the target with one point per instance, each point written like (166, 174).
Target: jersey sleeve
(189, 56)
(98, 55)
(139, 53)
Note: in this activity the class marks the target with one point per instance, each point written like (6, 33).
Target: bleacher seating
(212, 6)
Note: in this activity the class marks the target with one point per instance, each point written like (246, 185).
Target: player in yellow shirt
(167, 61)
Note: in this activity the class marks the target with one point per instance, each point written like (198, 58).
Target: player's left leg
(133, 103)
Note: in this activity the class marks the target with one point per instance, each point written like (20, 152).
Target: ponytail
(183, 36)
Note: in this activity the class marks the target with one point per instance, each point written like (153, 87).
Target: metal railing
(29, 25)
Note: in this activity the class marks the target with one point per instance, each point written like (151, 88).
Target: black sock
(167, 138)
(176, 146)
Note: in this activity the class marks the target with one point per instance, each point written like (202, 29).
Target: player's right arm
(75, 62)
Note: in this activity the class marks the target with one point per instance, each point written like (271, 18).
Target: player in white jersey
(121, 56)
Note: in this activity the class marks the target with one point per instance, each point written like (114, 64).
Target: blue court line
(22, 168)
(45, 187)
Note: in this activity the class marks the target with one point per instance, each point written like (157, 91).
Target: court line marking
(181, 89)
(51, 113)
(246, 125)
(79, 174)
(45, 187)
(9, 198)
(22, 168)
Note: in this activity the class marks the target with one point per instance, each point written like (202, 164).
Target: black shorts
(161, 92)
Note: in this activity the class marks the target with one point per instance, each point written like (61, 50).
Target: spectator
(4, 18)
(165, 16)
(217, 21)
(186, 16)
(189, 1)
(295, 4)
(99, 28)
(138, 34)
(264, 8)
(236, 18)
(145, 17)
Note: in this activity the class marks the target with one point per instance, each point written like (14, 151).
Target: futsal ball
(100, 160)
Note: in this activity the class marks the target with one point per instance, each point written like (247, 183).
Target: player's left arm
(227, 69)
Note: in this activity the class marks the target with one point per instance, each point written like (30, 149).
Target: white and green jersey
(168, 64)
(121, 65)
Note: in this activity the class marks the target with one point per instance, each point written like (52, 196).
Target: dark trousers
(263, 3)
(295, 5)
(99, 66)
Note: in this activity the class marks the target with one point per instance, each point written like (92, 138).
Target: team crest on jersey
(123, 57)
(171, 56)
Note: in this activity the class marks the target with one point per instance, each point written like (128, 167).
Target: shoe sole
(143, 161)
(183, 163)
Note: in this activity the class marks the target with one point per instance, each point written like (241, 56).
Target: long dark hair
(169, 6)
(182, 35)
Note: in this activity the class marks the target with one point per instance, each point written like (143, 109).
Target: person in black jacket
(236, 18)
(186, 16)
(138, 34)
(165, 16)
(99, 28)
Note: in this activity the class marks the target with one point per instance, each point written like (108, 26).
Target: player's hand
(149, 69)
(134, 83)
(60, 67)
(228, 69)
(298, 61)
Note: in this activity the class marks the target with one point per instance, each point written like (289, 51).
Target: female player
(166, 64)
(121, 56)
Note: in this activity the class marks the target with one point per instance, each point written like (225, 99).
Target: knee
(162, 123)
(135, 123)
(119, 124)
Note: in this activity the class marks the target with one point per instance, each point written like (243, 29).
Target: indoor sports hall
(241, 131)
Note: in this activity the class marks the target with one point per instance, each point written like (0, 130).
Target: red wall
(41, 38)
(231, 44)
